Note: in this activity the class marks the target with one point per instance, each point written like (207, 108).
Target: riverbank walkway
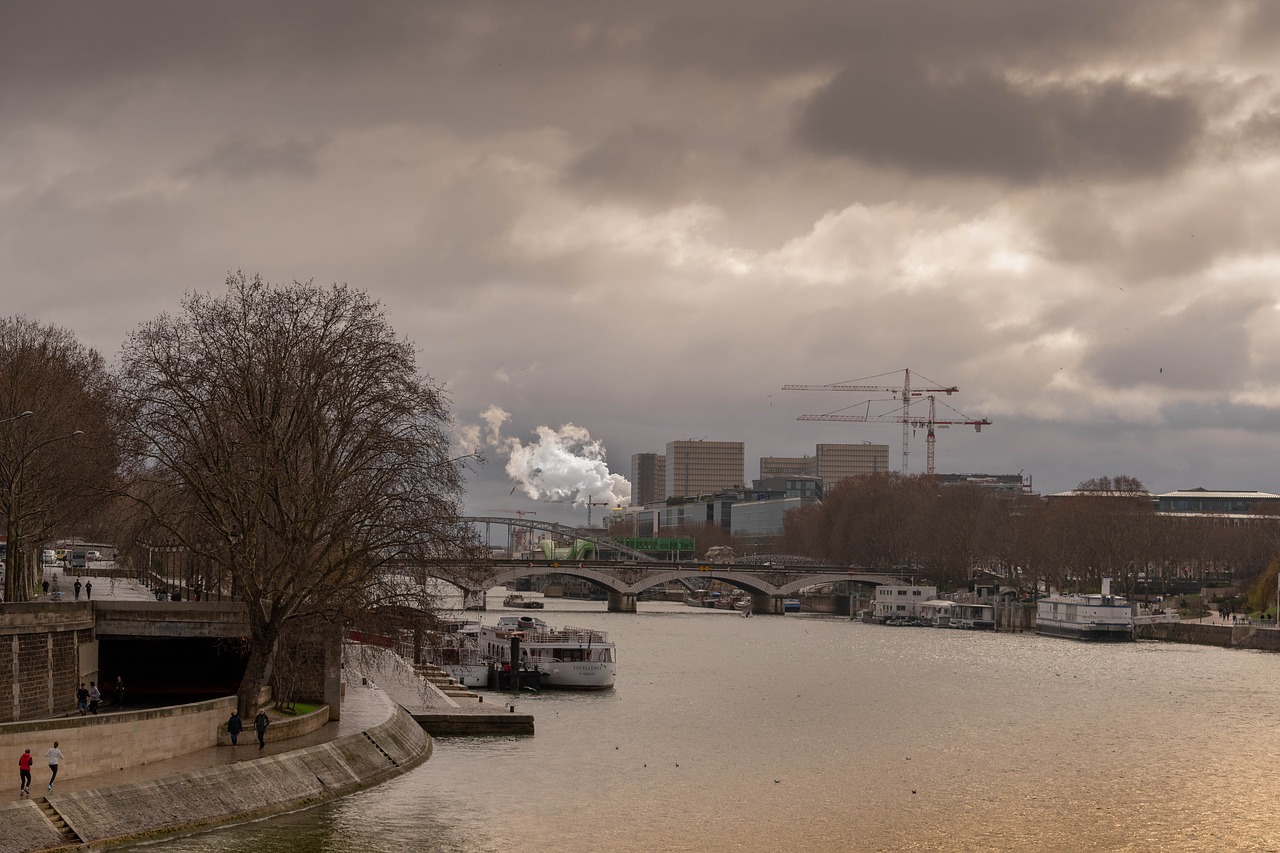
(377, 681)
(363, 708)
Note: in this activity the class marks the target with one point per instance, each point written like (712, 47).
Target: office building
(704, 467)
(648, 478)
(788, 466)
(838, 462)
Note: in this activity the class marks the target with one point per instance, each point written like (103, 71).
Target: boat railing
(557, 635)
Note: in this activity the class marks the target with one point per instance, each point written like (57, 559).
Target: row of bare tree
(281, 435)
(1108, 528)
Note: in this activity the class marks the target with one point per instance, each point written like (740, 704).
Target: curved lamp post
(16, 587)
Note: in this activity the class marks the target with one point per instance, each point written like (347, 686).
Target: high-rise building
(788, 466)
(648, 478)
(838, 462)
(703, 467)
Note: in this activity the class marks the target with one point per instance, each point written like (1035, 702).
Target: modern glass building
(1204, 500)
(764, 518)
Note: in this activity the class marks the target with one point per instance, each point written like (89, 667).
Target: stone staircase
(51, 815)
(445, 683)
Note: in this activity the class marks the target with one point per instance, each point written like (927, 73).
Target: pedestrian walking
(77, 589)
(95, 696)
(54, 757)
(45, 587)
(234, 727)
(88, 589)
(119, 692)
(260, 724)
(82, 699)
(24, 774)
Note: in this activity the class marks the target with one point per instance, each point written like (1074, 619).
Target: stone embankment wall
(241, 791)
(94, 744)
(1225, 636)
(40, 648)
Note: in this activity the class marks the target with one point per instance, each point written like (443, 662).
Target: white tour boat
(573, 658)
(1098, 616)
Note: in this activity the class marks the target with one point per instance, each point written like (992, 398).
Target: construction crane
(519, 512)
(590, 504)
(513, 536)
(902, 416)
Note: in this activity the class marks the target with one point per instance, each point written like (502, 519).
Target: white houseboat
(1100, 616)
(571, 658)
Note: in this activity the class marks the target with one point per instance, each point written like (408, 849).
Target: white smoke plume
(564, 464)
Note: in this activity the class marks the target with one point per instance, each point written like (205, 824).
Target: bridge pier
(766, 605)
(622, 602)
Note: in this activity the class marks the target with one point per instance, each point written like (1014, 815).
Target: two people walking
(235, 726)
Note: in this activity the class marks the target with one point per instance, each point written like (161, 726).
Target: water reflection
(796, 733)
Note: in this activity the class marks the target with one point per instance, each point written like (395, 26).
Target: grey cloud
(1187, 414)
(241, 158)
(1204, 347)
(980, 124)
(637, 162)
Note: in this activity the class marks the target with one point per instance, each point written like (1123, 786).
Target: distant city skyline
(644, 220)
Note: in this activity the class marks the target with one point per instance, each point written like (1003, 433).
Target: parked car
(92, 555)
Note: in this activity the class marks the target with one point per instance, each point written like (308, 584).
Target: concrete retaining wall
(1224, 636)
(95, 744)
(237, 792)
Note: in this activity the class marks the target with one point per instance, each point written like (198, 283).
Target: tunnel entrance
(171, 671)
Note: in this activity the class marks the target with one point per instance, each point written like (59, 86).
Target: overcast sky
(645, 218)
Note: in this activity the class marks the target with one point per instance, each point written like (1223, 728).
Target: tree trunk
(261, 654)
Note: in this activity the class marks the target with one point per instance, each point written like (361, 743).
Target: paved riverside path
(104, 588)
(363, 708)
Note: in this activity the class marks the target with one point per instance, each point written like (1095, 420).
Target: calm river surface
(810, 734)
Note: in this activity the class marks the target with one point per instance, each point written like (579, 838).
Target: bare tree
(287, 437)
(57, 449)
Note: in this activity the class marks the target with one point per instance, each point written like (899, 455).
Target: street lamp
(28, 413)
(15, 586)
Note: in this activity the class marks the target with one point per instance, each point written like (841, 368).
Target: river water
(809, 733)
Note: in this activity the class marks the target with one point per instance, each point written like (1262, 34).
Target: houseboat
(1100, 616)
(570, 658)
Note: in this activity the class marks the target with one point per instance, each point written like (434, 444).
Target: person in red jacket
(24, 774)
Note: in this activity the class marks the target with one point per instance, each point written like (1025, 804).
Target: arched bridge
(767, 584)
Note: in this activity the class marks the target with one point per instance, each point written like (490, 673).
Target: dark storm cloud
(241, 158)
(979, 123)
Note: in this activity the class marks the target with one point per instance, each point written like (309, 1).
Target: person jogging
(24, 774)
(54, 756)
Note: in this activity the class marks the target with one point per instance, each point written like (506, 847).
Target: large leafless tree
(285, 434)
(57, 448)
